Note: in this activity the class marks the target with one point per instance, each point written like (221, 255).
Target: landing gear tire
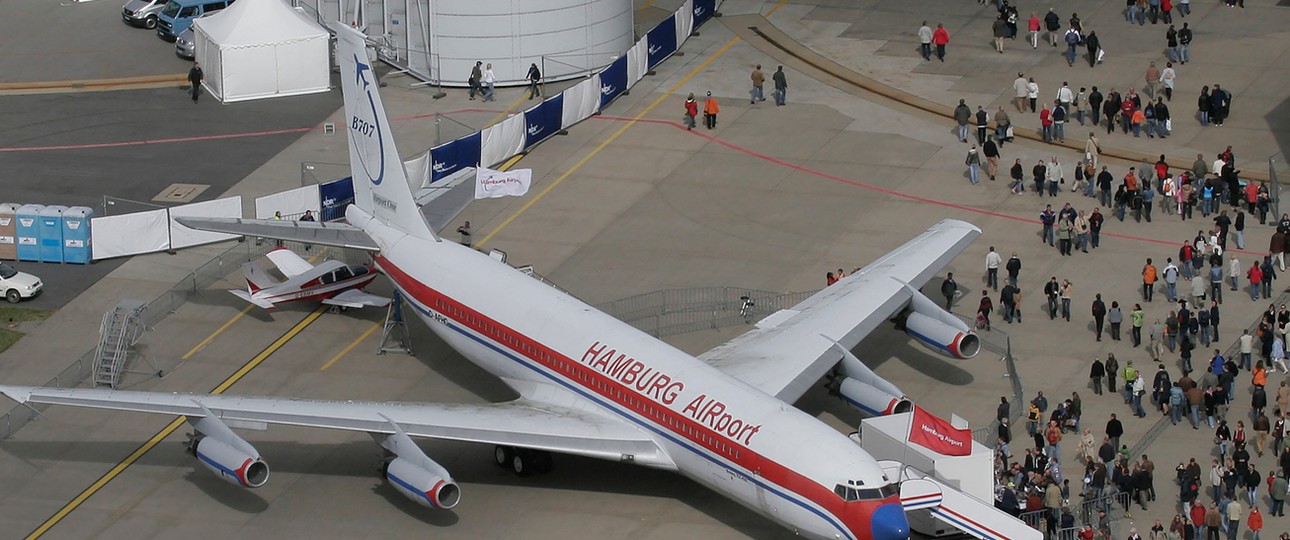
(525, 462)
(520, 465)
(502, 455)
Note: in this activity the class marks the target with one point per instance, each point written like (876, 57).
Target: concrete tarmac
(771, 199)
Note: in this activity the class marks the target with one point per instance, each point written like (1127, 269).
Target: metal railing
(1084, 512)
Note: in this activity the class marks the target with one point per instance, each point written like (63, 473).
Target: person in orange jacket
(710, 110)
(940, 38)
(1255, 522)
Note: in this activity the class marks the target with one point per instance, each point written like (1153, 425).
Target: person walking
(1099, 316)
(962, 115)
(476, 73)
(710, 110)
(1092, 150)
(925, 41)
(1067, 293)
(1020, 89)
(1032, 93)
(1136, 320)
(991, 151)
(1203, 106)
(973, 162)
(1148, 281)
(758, 80)
(691, 111)
(1000, 29)
(940, 38)
(195, 77)
(1171, 44)
(1094, 45)
(1072, 39)
(1152, 76)
(982, 124)
(1168, 77)
(1053, 24)
(1184, 40)
(1115, 316)
(489, 80)
(535, 82)
(1002, 124)
(950, 290)
(1013, 266)
(781, 86)
(1033, 26)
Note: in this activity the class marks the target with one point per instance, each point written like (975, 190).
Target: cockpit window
(852, 494)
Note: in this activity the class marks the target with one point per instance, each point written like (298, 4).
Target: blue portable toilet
(8, 231)
(51, 233)
(28, 232)
(76, 234)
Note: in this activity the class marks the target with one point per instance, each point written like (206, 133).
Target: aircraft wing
(521, 423)
(788, 351)
(355, 298)
(309, 232)
(290, 264)
(251, 298)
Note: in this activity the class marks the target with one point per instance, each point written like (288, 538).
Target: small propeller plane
(334, 282)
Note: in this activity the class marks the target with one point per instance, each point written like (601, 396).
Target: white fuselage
(718, 431)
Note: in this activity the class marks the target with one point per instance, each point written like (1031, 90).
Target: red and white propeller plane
(591, 385)
(333, 282)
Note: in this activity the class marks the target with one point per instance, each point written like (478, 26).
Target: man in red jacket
(940, 38)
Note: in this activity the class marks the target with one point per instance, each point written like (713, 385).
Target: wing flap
(310, 232)
(787, 354)
(522, 423)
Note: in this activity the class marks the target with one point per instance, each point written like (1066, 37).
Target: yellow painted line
(608, 141)
(350, 347)
(171, 427)
(216, 334)
(506, 113)
(776, 8)
(645, 5)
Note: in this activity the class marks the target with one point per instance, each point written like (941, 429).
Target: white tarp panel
(129, 234)
(637, 60)
(684, 22)
(262, 48)
(502, 140)
(418, 171)
(291, 203)
(182, 237)
(581, 101)
(491, 184)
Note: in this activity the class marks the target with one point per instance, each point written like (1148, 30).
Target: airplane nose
(889, 523)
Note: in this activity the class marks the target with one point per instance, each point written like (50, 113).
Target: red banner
(937, 435)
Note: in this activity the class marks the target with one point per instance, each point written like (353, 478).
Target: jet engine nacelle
(432, 489)
(870, 399)
(230, 464)
(940, 330)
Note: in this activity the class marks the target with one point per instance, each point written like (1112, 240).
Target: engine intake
(954, 341)
(870, 399)
(432, 489)
(230, 464)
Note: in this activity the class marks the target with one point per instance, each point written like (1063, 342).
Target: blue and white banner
(335, 197)
(454, 156)
(662, 41)
(543, 120)
(703, 10)
(613, 81)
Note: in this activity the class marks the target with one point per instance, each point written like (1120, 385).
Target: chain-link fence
(162, 306)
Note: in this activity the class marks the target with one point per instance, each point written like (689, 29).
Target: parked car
(186, 44)
(142, 12)
(178, 15)
(18, 285)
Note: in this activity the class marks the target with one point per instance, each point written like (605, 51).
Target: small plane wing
(290, 264)
(522, 423)
(355, 298)
(787, 351)
(310, 232)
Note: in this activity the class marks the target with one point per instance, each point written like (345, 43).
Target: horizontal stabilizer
(252, 299)
(973, 516)
(355, 298)
(309, 232)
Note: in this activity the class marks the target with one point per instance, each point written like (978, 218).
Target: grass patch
(17, 314)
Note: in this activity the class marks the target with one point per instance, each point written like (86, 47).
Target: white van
(142, 12)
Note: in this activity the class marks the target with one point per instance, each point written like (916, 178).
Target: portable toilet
(51, 233)
(28, 232)
(9, 231)
(76, 234)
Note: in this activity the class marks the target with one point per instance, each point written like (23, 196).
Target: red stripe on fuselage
(660, 415)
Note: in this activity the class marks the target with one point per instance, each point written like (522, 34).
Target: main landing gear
(522, 461)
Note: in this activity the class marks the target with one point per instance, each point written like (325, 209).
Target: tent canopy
(262, 48)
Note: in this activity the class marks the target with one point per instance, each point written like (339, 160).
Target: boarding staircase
(121, 329)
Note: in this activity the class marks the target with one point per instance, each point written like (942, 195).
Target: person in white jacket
(489, 81)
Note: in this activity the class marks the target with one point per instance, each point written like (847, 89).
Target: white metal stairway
(121, 328)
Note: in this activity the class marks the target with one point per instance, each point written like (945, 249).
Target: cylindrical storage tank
(51, 233)
(76, 234)
(565, 38)
(28, 232)
(9, 231)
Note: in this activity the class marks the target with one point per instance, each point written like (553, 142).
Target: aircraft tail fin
(380, 182)
(256, 277)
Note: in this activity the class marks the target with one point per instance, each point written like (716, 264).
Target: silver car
(142, 12)
(186, 43)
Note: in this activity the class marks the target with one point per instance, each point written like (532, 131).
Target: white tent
(258, 49)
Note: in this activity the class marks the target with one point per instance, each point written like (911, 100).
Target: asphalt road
(89, 160)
